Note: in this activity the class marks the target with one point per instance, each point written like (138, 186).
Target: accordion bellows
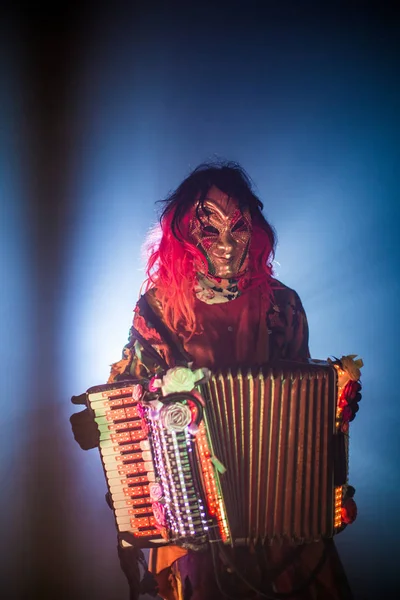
(261, 465)
(273, 431)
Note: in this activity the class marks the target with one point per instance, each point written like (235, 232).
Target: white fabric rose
(181, 379)
(154, 408)
(176, 416)
(155, 490)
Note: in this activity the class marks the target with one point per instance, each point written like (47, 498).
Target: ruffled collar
(214, 290)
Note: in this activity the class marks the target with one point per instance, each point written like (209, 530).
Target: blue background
(103, 112)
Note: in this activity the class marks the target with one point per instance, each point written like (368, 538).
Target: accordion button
(230, 328)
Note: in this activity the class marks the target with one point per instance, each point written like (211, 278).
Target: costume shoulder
(149, 318)
(287, 322)
(285, 295)
(149, 304)
(146, 351)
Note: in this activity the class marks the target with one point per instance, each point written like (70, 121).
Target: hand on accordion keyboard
(84, 427)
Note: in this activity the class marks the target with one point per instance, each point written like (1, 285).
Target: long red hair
(174, 261)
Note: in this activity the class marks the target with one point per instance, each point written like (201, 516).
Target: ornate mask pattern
(222, 232)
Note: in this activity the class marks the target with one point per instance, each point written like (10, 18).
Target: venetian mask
(222, 232)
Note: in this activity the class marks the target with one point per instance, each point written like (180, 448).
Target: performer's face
(222, 233)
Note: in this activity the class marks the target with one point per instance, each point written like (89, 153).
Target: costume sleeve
(137, 360)
(287, 326)
(297, 338)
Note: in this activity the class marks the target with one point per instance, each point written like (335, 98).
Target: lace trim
(216, 291)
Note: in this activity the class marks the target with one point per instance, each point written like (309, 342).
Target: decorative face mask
(222, 233)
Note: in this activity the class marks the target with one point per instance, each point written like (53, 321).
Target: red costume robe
(249, 330)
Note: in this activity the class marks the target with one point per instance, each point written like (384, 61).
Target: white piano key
(147, 456)
(116, 414)
(140, 522)
(116, 450)
(108, 447)
(112, 403)
(138, 502)
(136, 468)
(116, 427)
(117, 496)
(119, 459)
(133, 435)
(134, 512)
(133, 481)
(125, 521)
(123, 391)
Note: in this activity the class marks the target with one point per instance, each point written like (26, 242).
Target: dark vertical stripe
(262, 458)
(270, 455)
(297, 441)
(307, 436)
(318, 456)
(249, 386)
(314, 469)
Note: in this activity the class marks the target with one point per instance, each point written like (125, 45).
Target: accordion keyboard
(127, 461)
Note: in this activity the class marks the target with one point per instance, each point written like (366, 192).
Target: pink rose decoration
(159, 513)
(155, 490)
(137, 392)
(154, 384)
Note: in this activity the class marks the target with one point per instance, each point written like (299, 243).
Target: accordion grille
(273, 432)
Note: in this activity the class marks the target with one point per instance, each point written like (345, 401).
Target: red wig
(174, 261)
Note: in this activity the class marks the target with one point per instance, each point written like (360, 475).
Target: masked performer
(211, 300)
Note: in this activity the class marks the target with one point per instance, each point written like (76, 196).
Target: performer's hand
(84, 427)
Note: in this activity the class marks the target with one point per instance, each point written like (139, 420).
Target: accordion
(250, 455)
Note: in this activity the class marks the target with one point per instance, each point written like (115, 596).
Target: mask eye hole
(241, 225)
(210, 230)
